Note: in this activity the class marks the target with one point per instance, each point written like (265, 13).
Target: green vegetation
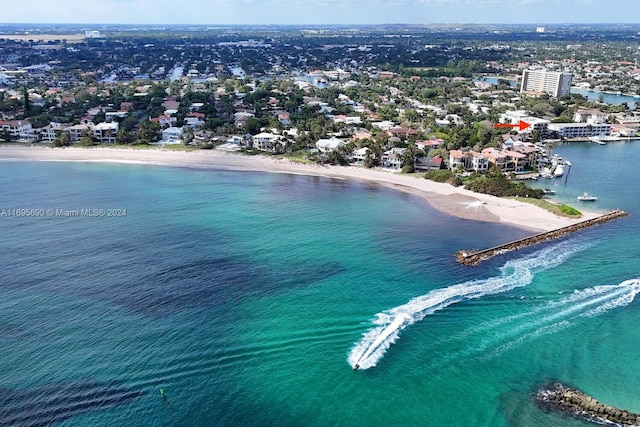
(560, 210)
(445, 176)
(300, 156)
(496, 184)
(493, 183)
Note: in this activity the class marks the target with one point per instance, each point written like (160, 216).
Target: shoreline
(445, 198)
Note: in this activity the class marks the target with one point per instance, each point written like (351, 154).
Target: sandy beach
(454, 201)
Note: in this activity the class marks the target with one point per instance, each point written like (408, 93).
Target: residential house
(113, 115)
(394, 158)
(402, 132)
(76, 132)
(506, 160)
(49, 133)
(363, 134)
(468, 160)
(172, 135)
(264, 141)
(426, 163)
(284, 117)
(359, 156)
(383, 125)
(327, 145)
(193, 122)
(196, 106)
(427, 146)
(105, 132)
(532, 155)
(240, 118)
(589, 116)
(16, 129)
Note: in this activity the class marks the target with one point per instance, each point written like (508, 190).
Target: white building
(589, 116)
(106, 132)
(264, 141)
(515, 116)
(326, 145)
(394, 158)
(76, 132)
(17, 129)
(580, 130)
(172, 135)
(554, 83)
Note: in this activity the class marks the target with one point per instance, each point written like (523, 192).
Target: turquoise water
(247, 298)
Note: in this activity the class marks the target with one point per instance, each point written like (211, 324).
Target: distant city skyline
(248, 12)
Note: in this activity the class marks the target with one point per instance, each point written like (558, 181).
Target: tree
(187, 135)
(147, 132)
(64, 140)
(6, 136)
(124, 137)
(27, 103)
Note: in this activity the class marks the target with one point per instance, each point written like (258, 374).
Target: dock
(476, 257)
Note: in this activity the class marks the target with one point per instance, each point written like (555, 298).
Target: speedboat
(586, 197)
(549, 191)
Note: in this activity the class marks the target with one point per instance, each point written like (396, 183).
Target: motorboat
(549, 191)
(586, 197)
(559, 170)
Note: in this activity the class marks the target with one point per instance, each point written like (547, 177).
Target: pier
(476, 257)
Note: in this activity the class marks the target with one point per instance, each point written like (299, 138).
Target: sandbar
(455, 201)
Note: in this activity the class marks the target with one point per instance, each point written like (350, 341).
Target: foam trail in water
(374, 343)
(557, 315)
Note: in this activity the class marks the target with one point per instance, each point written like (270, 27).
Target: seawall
(566, 399)
(476, 257)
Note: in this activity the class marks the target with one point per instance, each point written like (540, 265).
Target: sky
(318, 11)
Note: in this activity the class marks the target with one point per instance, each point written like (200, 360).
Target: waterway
(609, 98)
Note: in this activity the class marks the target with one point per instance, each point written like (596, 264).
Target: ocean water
(248, 298)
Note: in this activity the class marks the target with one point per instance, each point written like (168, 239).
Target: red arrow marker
(521, 126)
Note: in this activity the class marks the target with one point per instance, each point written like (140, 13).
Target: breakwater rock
(475, 257)
(561, 397)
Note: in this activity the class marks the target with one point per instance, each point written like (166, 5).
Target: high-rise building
(555, 83)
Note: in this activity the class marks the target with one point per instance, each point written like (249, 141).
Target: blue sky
(318, 11)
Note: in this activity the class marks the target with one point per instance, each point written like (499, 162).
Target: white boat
(549, 191)
(586, 197)
(597, 140)
(559, 170)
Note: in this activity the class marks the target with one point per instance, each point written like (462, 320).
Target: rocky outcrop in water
(561, 397)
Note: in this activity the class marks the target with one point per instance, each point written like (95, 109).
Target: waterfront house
(506, 160)
(425, 163)
(327, 145)
(468, 160)
(264, 141)
(172, 135)
(16, 129)
(105, 132)
(394, 158)
(359, 156)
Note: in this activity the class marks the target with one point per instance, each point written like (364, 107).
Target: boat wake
(495, 336)
(516, 273)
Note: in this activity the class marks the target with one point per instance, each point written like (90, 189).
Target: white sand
(452, 200)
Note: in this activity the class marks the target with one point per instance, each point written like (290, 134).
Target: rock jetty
(561, 397)
(476, 257)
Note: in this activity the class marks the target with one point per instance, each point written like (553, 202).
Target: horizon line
(329, 24)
